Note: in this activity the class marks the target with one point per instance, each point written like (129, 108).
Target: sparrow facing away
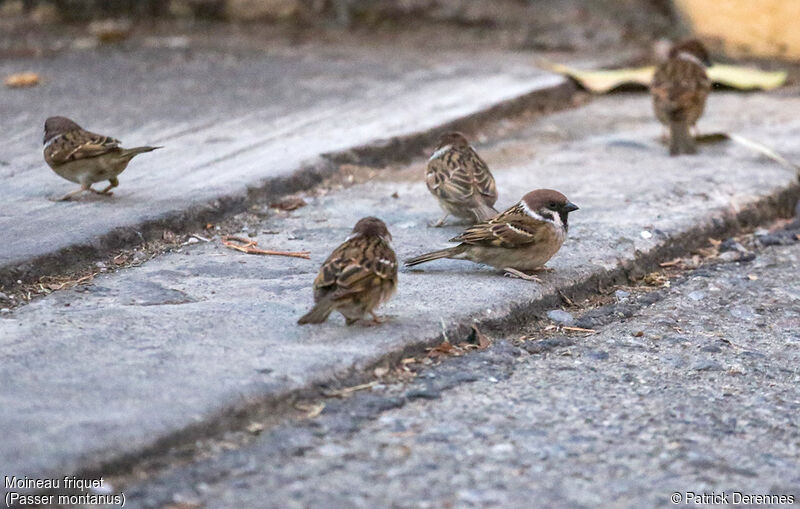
(460, 180)
(521, 239)
(357, 277)
(680, 87)
(83, 157)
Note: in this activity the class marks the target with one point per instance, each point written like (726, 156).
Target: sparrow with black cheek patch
(680, 87)
(84, 157)
(521, 239)
(460, 180)
(357, 277)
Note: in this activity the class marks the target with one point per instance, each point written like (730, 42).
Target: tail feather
(680, 139)
(484, 212)
(130, 152)
(318, 314)
(435, 255)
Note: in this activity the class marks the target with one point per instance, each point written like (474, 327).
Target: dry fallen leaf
(311, 409)
(483, 341)
(605, 80)
(22, 80)
(289, 203)
(255, 428)
(110, 30)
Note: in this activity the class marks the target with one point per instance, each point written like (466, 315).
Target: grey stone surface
(698, 403)
(230, 119)
(107, 369)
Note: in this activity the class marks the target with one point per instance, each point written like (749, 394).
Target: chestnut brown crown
(54, 126)
(372, 227)
(547, 202)
(692, 47)
(454, 139)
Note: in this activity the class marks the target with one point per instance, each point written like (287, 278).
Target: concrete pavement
(197, 340)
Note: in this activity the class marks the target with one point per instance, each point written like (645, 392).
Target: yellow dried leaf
(746, 78)
(734, 76)
(602, 81)
(22, 79)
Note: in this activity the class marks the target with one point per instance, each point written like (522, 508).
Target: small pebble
(622, 294)
(697, 295)
(561, 317)
(706, 365)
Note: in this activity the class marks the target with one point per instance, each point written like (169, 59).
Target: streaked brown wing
(513, 228)
(461, 178)
(80, 144)
(680, 86)
(483, 180)
(356, 266)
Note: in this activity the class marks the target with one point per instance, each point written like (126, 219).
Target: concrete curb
(378, 153)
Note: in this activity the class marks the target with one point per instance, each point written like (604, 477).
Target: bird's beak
(570, 207)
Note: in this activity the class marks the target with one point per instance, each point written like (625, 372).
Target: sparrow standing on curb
(83, 157)
(357, 277)
(680, 87)
(460, 180)
(521, 239)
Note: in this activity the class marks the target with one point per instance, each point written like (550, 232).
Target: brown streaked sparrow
(357, 277)
(460, 180)
(521, 239)
(680, 87)
(84, 157)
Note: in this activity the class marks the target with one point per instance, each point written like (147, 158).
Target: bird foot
(520, 275)
(438, 224)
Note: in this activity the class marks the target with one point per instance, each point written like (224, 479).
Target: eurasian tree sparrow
(460, 180)
(84, 157)
(521, 239)
(357, 277)
(680, 87)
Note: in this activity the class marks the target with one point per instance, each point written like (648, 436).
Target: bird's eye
(553, 205)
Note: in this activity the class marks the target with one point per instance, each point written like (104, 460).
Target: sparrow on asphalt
(460, 180)
(520, 240)
(357, 277)
(680, 87)
(84, 157)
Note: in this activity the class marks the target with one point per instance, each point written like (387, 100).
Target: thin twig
(578, 329)
(249, 246)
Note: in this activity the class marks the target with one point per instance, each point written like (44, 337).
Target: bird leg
(440, 222)
(521, 275)
(377, 319)
(70, 195)
(112, 183)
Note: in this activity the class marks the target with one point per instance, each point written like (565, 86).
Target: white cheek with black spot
(439, 153)
(51, 140)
